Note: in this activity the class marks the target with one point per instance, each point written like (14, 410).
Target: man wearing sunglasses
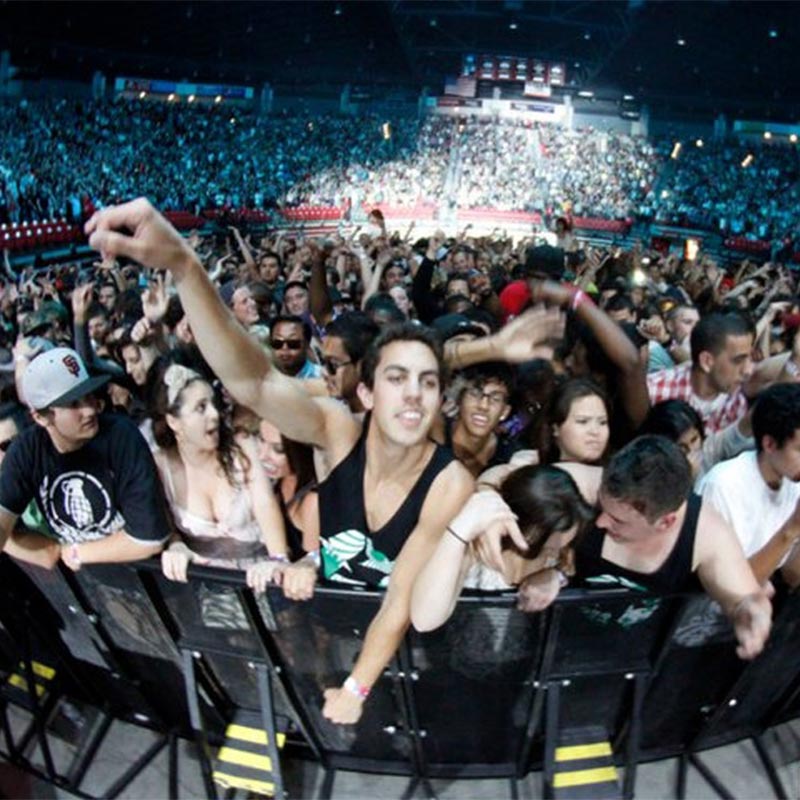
(391, 492)
(290, 340)
(92, 475)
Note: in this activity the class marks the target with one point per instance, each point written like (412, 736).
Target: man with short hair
(758, 492)
(680, 323)
(712, 383)
(290, 339)
(653, 534)
(92, 475)
(343, 350)
(296, 299)
(483, 402)
(391, 492)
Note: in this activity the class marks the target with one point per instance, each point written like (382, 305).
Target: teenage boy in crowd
(92, 475)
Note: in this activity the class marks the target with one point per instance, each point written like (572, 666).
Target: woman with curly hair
(223, 506)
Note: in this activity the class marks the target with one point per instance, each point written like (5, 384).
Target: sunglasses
(292, 344)
(331, 365)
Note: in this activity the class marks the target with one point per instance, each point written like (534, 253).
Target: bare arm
(438, 585)
(728, 579)
(117, 548)
(244, 249)
(319, 298)
(517, 342)
(243, 366)
(768, 558)
(448, 493)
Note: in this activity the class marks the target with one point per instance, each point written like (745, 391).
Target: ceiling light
(681, 42)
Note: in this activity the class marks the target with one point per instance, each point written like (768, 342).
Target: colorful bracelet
(354, 687)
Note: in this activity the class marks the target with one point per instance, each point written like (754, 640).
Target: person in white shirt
(758, 492)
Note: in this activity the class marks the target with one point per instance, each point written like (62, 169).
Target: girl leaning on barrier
(538, 509)
(224, 509)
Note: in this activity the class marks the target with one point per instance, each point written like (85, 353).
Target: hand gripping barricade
(598, 681)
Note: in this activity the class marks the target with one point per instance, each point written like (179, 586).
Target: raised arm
(517, 342)
(136, 230)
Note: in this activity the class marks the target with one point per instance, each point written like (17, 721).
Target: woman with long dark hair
(224, 510)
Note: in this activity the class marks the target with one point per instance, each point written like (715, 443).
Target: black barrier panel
(474, 688)
(66, 614)
(141, 643)
(696, 673)
(599, 633)
(467, 699)
(754, 699)
(209, 615)
(318, 643)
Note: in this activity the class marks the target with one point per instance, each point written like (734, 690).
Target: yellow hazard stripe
(21, 683)
(245, 758)
(252, 735)
(235, 782)
(583, 777)
(42, 670)
(580, 751)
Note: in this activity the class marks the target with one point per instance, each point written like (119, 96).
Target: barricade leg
(634, 737)
(769, 767)
(201, 736)
(710, 778)
(268, 716)
(326, 790)
(78, 770)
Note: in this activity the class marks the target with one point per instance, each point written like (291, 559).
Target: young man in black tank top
(654, 533)
(402, 395)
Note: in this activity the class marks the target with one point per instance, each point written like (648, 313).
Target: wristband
(281, 558)
(579, 297)
(352, 686)
(74, 556)
(460, 538)
(563, 580)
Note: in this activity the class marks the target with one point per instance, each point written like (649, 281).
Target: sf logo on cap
(71, 363)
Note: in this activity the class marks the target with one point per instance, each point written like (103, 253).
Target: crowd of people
(513, 165)
(713, 186)
(417, 416)
(62, 159)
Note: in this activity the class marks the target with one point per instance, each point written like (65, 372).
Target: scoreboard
(539, 77)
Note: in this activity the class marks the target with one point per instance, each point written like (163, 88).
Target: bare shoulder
(449, 491)
(342, 428)
(715, 537)
(586, 478)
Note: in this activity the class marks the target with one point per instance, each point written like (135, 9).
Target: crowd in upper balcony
(62, 158)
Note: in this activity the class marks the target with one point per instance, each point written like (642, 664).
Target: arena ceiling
(738, 57)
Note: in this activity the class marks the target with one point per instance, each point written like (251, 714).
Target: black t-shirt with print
(110, 483)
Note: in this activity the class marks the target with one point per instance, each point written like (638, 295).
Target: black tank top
(294, 536)
(673, 576)
(350, 552)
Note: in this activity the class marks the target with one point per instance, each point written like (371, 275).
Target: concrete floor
(738, 766)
